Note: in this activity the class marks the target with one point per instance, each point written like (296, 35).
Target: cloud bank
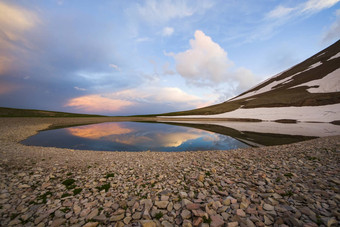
(113, 102)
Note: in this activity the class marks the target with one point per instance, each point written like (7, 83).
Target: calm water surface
(133, 136)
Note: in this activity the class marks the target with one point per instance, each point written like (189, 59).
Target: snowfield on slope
(329, 83)
(335, 56)
(271, 86)
(327, 113)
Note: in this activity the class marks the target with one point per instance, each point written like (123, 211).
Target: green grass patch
(69, 174)
(110, 175)
(65, 195)
(77, 191)
(288, 193)
(13, 216)
(318, 220)
(68, 182)
(312, 158)
(23, 222)
(65, 210)
(104, 187)
(206, 220)
(71, 186)
(44, 196)
(158, 215)
(289, 175)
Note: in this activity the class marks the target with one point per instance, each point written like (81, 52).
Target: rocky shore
(289, 185)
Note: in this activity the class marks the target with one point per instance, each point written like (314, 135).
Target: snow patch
(329, 83)
(320, 54)
(335, 56)
(266, 88)
(313, 66)
(327, 113)
(246, 95)
(270, 86)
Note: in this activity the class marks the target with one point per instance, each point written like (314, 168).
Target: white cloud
(207, 64)
(205, 61)
(79, 88)
(143, 39)
(309, 6)
(333, 32)
(317, 5)
(114, 66)
(279, 11)
(168, 31)
(283, 14)
(160, 11)
(245, 79)
(156, 95)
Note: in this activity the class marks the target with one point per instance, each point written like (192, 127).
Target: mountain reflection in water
(133, 136)
(179, 136)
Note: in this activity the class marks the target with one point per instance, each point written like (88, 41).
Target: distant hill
(12, 112)
(311, 86)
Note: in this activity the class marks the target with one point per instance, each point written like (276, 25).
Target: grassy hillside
(12, 112)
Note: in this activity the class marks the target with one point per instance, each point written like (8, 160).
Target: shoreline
(288, 185)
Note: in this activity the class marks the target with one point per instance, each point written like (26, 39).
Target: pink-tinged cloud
(14, 23)
(98, 103)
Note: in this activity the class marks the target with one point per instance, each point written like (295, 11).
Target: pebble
(240, 212)
(216, 221)
(186, 214)
(268, 207)
(162, 204)
(117, 217)
(91, 224)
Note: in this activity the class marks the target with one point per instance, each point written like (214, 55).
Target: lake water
(178, 136)
(133, 136)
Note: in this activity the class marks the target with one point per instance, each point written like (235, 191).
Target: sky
(154, 56)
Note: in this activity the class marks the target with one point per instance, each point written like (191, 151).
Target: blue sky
(142, 57)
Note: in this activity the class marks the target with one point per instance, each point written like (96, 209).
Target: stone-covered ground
(289, 185)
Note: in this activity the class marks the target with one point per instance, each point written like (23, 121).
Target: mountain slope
(312, 84)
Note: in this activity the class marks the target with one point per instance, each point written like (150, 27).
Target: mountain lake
(178, 136)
